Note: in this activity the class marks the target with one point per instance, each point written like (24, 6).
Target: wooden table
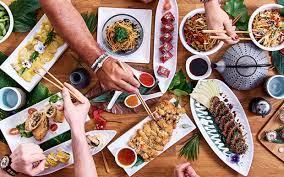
(208, 164)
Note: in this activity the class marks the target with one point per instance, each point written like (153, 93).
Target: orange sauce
(126, 156)
(132, 101)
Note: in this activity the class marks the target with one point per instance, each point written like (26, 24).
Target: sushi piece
(34, 120)
(162, 71)
(166, 47)
(93, 141)
(168, 18)
(166, 56)
(167, 28)
(40, 132)
(166, 37)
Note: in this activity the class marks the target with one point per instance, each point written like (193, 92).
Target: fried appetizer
(59, 118)
(93, 141)
(34, 120)
(40, 132)
(51, 111)
(154, 135)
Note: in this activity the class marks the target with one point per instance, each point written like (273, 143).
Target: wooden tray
(272, 124)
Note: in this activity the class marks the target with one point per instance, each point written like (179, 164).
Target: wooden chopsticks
(139, 96)
(228, 38)
(58, 85)
(224, 31)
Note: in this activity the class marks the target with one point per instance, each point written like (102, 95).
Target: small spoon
(113, 99)
(137, 74)
(145, 97)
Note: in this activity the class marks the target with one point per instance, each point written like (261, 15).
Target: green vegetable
(23, 133)
(120, 35)
(91, 20)
(236, 8)
(50, 37)
(179, 85)
(56, 140)
(4, 22)
(24, 14)
(190, 150)
(54, 98)
(34, 56)
(39, 93)
(278, 62)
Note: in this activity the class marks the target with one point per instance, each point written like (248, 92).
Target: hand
(184, 170)
(24, 157)
(113, 77)
(77, 113)
(218, 19)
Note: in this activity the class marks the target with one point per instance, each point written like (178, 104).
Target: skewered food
(154, 135)
(193, 33)
(40, 132)
(34, 120)
(93, 141)
(268, 28)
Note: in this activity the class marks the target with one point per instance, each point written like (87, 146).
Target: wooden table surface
(264, 163)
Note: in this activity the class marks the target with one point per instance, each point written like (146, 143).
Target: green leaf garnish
(54, 98)
(179, 85)
(91, 20)
(190, 150)
(23, 132)
(50, 37)
(120, 35)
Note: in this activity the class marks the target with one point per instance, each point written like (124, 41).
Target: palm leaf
(91, 20)
(190, 150)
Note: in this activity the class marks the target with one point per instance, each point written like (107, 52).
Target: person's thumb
(66, 98)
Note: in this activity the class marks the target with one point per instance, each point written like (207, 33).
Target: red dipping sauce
(126, 156)
(146, 79)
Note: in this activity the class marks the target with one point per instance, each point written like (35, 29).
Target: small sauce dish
(198, 67)
(126, 157)
(275, 86)
(11, 98)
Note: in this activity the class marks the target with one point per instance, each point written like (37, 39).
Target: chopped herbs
(190, 150)
(34, 56)
(23, 133)
(120, 35)
(50, 37)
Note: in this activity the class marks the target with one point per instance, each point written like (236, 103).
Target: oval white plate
(104, 135)
(205, 124)
(171, 64)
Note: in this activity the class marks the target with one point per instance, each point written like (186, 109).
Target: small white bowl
(21, 98)
(183, 40)
(257, 11)
(11, 18)
(121, 165)
(193, 77)
(279, 85)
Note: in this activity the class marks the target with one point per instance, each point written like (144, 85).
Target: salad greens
(91, 20)
(236, 8)
(120, 34)
(54, 98)
(4, 22)
(179, 85)
(23, 133)
(24, 12)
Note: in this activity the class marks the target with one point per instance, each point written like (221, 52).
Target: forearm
(84, 163)
(4, 174)
(69, 24)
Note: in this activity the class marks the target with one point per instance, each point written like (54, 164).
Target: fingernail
(236, 38)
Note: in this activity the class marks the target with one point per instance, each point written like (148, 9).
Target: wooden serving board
(272, 124)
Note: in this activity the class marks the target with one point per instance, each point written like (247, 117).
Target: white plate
(256, 12)
(204, 122)
(144, 16)
(19, 118)
(178, 134)
(105, 136)
(183, 40)
(8, 69)
(171, 64)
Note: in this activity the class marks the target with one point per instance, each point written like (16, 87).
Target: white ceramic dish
(20, 98)
(183, 40)
(171, 64)
(275, 88)
(205, 124)
(178, 134)
(187, 67)
(104, 135)
(8, 69)
(11, 18)
(143, 16)
(257, 11)
(19, 118)
(121, 165)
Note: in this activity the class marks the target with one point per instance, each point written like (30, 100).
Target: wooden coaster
(272, 124)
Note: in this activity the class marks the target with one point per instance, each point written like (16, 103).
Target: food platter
(105, 136)
(171, 63)
(7, 65)
(140, 19)
(207, 126)
(18, 119)
(178, 133)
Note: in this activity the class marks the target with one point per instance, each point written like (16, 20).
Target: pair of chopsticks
(226, 38)
(139, 96)
(58, 85)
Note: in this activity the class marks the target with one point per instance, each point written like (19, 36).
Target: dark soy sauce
(198, 67)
